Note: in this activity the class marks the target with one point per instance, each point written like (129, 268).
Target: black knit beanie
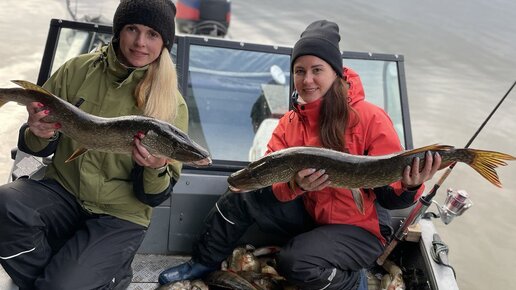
(321, 38)
(156, 14)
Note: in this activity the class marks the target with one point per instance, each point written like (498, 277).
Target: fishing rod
(425, 201)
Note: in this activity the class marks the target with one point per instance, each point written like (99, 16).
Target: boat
(235, 92)
(203, 17)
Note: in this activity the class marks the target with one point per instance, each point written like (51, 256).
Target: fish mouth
(205, 162)
(243, 181)
(238, 190)
(195, 155)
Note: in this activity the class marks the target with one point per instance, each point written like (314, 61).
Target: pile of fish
(246, 268)
(392, 280)
(185, 285)
(113, 135)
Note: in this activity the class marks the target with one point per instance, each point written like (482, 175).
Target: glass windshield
(236, 94)
(231, 93)
(236, 97)
(74, 42)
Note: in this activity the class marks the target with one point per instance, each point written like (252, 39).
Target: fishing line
(432, 192)
(425, 201)
(490, 115)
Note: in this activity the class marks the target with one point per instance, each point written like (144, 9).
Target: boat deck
(146, 269)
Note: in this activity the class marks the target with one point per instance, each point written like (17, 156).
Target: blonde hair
(156, 94)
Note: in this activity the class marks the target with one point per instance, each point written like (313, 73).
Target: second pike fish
(113, 135)
(356, 171)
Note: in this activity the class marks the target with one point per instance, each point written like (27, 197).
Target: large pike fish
(113, 135)
(356, 171)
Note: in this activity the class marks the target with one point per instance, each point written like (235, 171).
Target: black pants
(48, 241)
(316, 257)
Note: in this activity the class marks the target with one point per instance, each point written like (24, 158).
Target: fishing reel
(455, 204)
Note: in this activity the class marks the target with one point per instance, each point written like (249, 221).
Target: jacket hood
(356, 89)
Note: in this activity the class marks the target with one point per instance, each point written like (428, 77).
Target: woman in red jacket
(329, 240)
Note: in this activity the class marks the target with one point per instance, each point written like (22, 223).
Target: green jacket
(102, 181)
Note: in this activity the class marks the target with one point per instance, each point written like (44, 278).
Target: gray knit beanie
(156, 14)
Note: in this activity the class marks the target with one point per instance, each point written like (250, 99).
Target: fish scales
(344, 170)
(357, 171)
(114, 135)
(228, 280)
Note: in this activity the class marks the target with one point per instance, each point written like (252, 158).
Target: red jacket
(374, 134)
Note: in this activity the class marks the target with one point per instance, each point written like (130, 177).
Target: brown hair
(335, 116)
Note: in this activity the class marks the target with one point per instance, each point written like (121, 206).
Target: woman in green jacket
(81, 225)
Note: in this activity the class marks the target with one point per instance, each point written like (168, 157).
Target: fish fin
(433, 147)
(359, 199)
(485, 162)
(33, 87)
(76, 154)
(267, 250)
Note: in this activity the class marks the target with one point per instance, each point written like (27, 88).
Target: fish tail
(485, 162)
(359, 199)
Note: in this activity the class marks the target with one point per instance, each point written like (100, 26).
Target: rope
(437, 248)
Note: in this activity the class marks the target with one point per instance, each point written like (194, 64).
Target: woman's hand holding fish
(37, 125)
(143, 157)
(413, 177)
(311, 179)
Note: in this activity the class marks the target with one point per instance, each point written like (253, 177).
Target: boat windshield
(236, 92)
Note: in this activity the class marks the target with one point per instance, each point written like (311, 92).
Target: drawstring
(291, 116)
(222, 215)
(18, 254)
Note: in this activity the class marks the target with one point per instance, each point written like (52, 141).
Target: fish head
(244, 180)
(172, 143)
(242, 259)
(259, 174)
